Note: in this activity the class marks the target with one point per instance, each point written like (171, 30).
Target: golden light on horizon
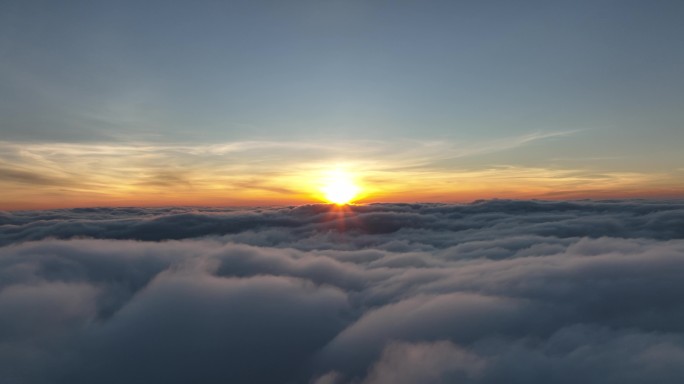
(339, 187)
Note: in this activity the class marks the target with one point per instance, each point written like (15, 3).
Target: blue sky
(463, 72)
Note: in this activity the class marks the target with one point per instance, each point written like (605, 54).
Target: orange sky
(41, 176)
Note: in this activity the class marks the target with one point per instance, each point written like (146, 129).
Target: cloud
(439, 362)
(422, 226)
(490, 292)
(255, 173)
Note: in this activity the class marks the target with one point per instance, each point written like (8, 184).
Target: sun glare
(339, 188)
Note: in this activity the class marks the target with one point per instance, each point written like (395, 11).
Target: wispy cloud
(256, 172)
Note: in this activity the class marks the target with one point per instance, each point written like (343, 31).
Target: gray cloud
(30, 178)
(432, 225)
(489, 292)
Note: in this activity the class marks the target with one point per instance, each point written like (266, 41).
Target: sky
(254, 102)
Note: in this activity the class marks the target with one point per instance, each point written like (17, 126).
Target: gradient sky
(252, 102)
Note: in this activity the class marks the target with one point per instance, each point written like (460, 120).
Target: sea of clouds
(490, 292)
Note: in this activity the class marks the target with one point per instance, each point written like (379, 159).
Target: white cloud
(490, 292)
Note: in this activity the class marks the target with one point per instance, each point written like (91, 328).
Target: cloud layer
(490, 292)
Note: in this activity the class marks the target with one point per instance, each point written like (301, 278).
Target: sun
(339, 188)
